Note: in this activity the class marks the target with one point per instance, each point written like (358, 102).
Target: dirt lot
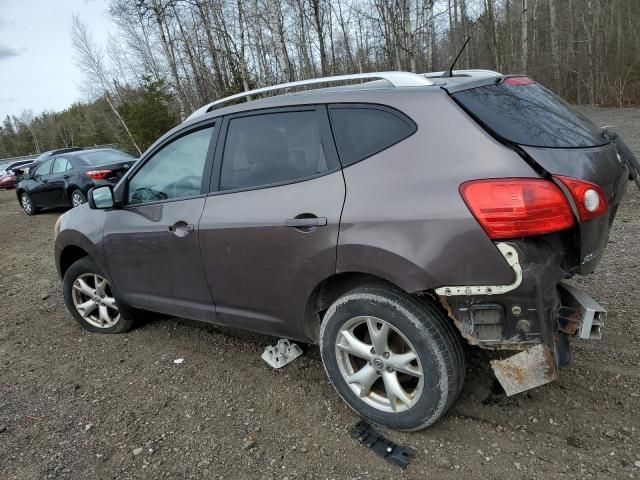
(79, 405)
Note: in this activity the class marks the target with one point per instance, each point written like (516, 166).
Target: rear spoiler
(454, 87)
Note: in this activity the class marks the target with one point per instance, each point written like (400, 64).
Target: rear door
(558, 140)
(151, 243)
(269, 230)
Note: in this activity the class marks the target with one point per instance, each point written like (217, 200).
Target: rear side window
(364, 131)
(272, 148)
(528, 114)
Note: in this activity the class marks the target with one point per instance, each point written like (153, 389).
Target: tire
(27, 204)
(86, 276)
(77, 198)
(429, 384)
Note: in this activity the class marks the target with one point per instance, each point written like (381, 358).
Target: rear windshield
(530, 115)
(105, 156)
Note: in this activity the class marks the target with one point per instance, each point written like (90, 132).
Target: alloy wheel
(76, 199)
(379, 364)
(94, 301)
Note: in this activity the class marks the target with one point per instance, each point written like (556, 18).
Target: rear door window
(528, 114)
(272, 148)
(362, 131)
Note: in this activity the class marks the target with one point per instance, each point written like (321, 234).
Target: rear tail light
(517, 207)
(98, 174)
(589, 198)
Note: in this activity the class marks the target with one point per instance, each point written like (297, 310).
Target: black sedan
(64, 179)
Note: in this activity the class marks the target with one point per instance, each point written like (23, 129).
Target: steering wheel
(189, 184)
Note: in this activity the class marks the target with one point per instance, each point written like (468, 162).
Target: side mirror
(101, 198)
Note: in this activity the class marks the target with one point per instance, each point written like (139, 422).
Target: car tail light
(588, 197)
(98, 174)
(518, 81)
(517, 207)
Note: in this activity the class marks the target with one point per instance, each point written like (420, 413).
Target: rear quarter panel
(404, 219)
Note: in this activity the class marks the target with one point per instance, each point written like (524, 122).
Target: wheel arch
(328, 291)
(70, 188)
(68, 256)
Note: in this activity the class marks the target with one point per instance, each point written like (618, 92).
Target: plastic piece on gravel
(178, 360)
(390, 451)
(283, 352)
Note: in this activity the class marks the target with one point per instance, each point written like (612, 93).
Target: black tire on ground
(431, 335)
(86, 265)
(27, 204)
(81, 196)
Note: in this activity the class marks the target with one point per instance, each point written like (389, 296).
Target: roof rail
(464, 73)
(396, 79)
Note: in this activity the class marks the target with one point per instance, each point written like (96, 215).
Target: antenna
(449, 73)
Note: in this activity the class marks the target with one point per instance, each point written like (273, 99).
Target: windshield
(41, 157)
(100, 157)
(528, 114)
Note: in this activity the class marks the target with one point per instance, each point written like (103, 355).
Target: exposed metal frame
(511, 256)
(396, 79)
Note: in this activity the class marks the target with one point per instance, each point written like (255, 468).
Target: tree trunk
(555, 46)
(525, 36)
(319, 24)
(275, 24)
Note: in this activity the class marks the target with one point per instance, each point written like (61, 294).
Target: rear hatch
(557, 141)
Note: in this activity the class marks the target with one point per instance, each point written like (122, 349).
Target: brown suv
(387, 221)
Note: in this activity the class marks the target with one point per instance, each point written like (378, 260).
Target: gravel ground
(78, 405)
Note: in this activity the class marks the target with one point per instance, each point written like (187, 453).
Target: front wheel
(27, 204)
(91, 300)
(395, 359)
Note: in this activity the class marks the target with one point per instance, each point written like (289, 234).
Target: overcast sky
(37, 70)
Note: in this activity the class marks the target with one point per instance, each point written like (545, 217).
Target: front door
(269, 234)
(151, 243)
(39, 191)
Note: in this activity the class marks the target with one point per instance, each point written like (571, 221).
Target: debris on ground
(281, 353)
(526, 370)
(390, 451)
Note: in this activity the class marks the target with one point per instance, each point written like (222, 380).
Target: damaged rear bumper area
(536, 314)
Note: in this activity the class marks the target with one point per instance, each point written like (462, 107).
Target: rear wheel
(77, 198)
(27, 204)
(91, 300)
(394, 359)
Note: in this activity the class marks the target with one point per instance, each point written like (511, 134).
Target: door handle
(306, 222)
(66, 176)
(181, 229)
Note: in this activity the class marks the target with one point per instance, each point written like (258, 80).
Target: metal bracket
(580, 314)
(281, 353)
(511, 256)
(390, 451)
